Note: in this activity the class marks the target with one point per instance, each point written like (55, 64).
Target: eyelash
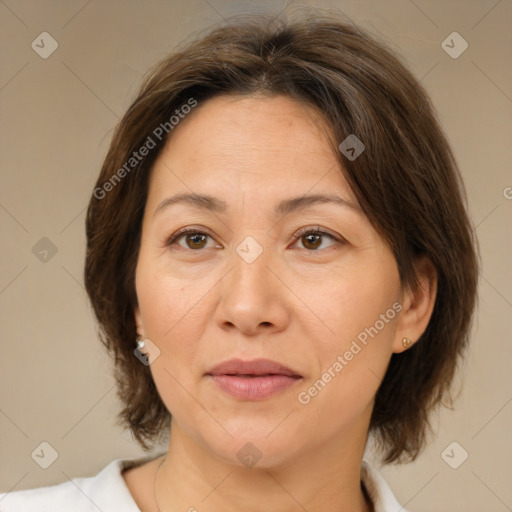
(305, 231)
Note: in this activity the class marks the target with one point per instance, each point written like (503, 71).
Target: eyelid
(168, 240)
(316, 229)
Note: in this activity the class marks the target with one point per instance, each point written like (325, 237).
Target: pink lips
(253, 380)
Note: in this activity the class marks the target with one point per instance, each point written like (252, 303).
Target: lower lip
(254, 388)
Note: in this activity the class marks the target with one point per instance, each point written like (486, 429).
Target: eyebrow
(287, 206)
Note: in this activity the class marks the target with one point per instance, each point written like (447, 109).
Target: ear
(138, 322)
(417, 304)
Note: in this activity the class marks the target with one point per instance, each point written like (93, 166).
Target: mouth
(253, 380)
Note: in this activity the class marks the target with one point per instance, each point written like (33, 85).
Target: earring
(406, 342)
(140, 342)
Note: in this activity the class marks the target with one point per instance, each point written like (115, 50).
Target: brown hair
(406, 181)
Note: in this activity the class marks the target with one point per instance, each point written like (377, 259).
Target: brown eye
(312, 239)
(194, 239)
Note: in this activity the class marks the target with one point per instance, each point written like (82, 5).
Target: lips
(257, 367)
(253, 380)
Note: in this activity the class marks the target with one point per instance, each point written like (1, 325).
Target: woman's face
(248, 284)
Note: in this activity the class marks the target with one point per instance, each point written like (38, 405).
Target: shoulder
(378, 489)
(105, 491)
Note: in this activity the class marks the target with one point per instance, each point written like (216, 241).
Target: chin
(254, 447)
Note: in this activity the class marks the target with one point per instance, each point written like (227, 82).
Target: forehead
(255, 143)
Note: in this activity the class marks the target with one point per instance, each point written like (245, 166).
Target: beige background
(57, 118)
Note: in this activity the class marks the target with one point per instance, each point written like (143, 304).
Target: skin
(301, 302)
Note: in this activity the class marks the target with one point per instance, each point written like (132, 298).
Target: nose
(254, 300)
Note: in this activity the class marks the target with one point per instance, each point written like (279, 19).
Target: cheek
(352, 358)
(351, 371)
(167, 304)
(173, 317)
(348, 300)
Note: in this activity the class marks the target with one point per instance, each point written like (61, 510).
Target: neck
(192, 478)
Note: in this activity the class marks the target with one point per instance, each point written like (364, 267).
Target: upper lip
(254, 367)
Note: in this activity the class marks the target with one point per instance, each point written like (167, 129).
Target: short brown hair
(406, 181)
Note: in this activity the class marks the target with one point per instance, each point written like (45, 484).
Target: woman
(279, 256)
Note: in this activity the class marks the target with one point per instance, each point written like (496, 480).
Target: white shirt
(107, 492)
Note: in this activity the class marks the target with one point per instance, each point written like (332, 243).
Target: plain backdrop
(57, 117)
